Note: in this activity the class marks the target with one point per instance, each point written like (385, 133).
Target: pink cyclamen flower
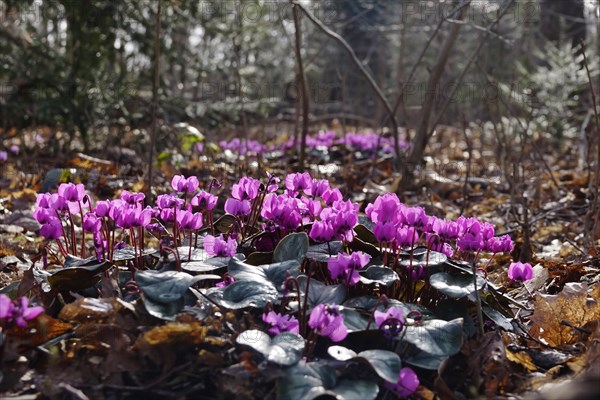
(321, 231)
(3, 155)
(189, 220)
(219, 247)
(18, 311)
(281, 323)
(385, 209)
(328, 320)
(52, 229)
(132, 198)
(91, 222)
(347, 266)
(227, 280)
(408, 382)
(298, 182)
(245, 189)
(502, 244)
(390, 322)
(204, 200)
(183, 184)
(71, 192)
(519, 271)
(237, 207)
(413, 216)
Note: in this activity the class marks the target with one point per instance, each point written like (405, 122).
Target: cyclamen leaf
(284, 349)
(292, 247)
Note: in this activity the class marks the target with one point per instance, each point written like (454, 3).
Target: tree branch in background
(362, 69)
(303, 95)
(420, 141)
(594, 209)
(155, 85)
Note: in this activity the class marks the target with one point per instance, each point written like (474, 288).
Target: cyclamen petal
(408, 382)
(519, 271)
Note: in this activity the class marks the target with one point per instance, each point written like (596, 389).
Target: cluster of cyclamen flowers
(400, 226)
(368, 141)
(17, 312)
(185, 211)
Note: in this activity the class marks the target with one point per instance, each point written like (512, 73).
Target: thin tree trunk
(420, 140)
(155, 85)
(303, 95)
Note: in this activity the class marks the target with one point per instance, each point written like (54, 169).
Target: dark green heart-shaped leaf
(421, 257)
(378, 274)
(292, 247)
(319, 293)
(368, 303)
(418, 358)
(260, 258)
(355, 321)
(365, 234)
(168, 286)
(435, 336)
(76, 278)
(455, 286)
(307, 381)
(385, 363)
(243, 294)
(499, 318)
(274, 274)
(164, 311)
(224, 223)
(358, 244)
(324, 251)
(284, 349)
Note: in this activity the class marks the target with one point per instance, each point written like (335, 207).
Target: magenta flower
(204, 200)
(169, 201)
(43, 215)
(502, 244)
(132, 198)
(446, 230)
(318, 187)
(91, 222)
(3, 155)
(283, 210)
(321, 231)
(520, 272)
(52, 229)
(219, 247)
(408, 382)
(102, 208)
(281, 323)
(385, 209)
(189, 220)
(390, 322)
(384, 232)
(183, 184)
(237, 207)
(227, 280)
(471, 238)
(406, 237)
(347, 266)
(71, 192)
(413, 216)
(328, 320)
(17, 311)
(330, 196)
(298, 182)
(245, 189)
(43, 200)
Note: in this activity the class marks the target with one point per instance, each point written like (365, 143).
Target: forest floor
(550, 348)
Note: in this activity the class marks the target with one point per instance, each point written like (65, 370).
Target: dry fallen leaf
(557, 317)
